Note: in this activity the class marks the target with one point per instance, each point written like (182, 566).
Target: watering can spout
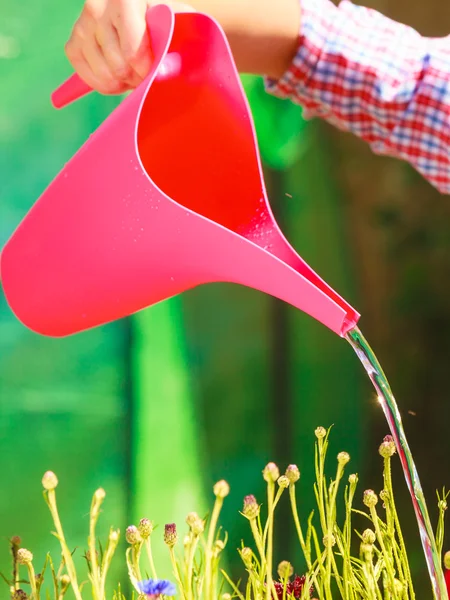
(166, 195)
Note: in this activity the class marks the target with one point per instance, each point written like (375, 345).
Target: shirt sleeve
(376, 78)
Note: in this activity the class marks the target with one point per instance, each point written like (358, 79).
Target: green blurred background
(217, 382)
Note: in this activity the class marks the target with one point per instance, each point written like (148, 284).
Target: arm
(376, 78)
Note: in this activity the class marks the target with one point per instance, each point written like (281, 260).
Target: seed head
(49, 481)
(271, 472)
(221, 489)
(369, 537)
(145, 528)
(24, 556)
(283, 482)
(370, 499)
(343, 458)
(320, 433)
(447, 560)
(292, 473)
(251, 507)
(196, 524)
(170, 534)
(353, 479)
(132, 535)
(285, 570)
(329, 541)
(247, 557)
(387, 447)
(19, 595)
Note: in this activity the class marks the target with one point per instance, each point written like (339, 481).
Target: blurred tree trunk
(399, 227)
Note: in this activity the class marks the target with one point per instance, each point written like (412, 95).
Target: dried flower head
(251, 507)
(19, 595)
(293, 473)
(447, 560)
(24, 556)
(353, 479)
(387, 447)
(369, 537)
(221, 489)
(343, 458)
(132, 535)
(49, 481)
(283, 482)
(320, 433)
(170, 534)
(370, 499)
(285, 570)
(145, 528)
(16, 540)
(271, 472)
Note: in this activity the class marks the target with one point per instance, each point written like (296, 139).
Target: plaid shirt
(378, 79)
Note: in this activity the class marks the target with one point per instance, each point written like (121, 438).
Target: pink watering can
(167, 194)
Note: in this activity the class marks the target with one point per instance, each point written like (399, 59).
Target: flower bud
(16, 541)
(353, 479)
(170, 534)
(99, 495)
(292, 473)
(384, 495)
(19, 595)
(132, 535)
(447, 560)
(283, 482)
(369, 537)
(219, 546)
(195, 523)
(329, 541)
(226, 596)
(370, 499)
(114, 535)
(387, 447)
(442, 505)
(221, 489)
(320, 433)
(285, 570)
(65, 582)
(343, 458)
(251, 507)
(247, 557)
(49, 481)
(271, 472)
(145, 528)
(24, 556)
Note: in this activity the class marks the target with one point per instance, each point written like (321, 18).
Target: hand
(109, 46)
(111, 51)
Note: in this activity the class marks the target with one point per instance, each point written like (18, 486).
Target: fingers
(130, 24)
(109, 46)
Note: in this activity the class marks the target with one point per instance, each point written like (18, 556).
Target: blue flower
(156, 587)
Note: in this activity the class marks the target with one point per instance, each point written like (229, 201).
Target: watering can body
(166, 195)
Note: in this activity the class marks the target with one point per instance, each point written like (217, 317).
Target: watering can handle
(69, 91)
(74, 87)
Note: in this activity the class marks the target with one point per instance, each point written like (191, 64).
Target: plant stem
(50, 497)
(148, 548)
(209, 546)
(270, 521)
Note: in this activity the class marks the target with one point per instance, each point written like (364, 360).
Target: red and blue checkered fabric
(379, 79)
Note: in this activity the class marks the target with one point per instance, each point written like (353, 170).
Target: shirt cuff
(318, 18)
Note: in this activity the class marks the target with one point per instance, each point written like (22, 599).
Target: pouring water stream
(392, 414)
